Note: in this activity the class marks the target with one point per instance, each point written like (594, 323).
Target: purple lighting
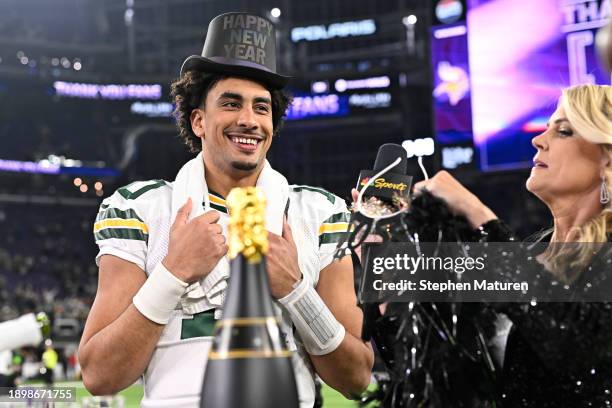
(112, 92)
(519, 62)
(318, 105)
(29, 167)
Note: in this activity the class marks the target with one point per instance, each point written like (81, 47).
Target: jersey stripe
(331, 228)
(219, 208)
(202, 325)
(217, 200)
(132, 195)
(330, 197)
(334, 228)
(121, 223)
(331, 238)
(121, 233)
(339, 217)
(111, 212)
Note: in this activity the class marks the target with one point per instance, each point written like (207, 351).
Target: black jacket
(558, 354)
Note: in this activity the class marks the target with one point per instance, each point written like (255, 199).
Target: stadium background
(62, 150)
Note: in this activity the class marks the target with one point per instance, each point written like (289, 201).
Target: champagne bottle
(249, 365)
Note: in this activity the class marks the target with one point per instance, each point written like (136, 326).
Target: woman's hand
(459, 199)
(369, 238)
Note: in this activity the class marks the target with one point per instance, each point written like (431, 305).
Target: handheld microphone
(387, 186)
(393, 182)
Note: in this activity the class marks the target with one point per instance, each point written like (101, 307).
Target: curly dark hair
(190, 91)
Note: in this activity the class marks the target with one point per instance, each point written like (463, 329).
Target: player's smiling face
(236, 123)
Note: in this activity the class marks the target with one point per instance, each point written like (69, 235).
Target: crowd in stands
(47, 262)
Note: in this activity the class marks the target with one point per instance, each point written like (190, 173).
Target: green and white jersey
(134, 224)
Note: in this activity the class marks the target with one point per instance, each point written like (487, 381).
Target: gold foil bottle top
(247, 223)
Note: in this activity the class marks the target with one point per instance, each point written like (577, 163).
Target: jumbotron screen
(498, 75)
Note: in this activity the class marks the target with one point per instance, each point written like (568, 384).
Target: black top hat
(239, 44)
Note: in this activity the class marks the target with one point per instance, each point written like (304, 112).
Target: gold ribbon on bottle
(247, 223)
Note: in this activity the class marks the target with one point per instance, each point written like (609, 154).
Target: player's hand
(195, 246)
(282, 262)
(369, 238)
(354, 195)
(458, 198)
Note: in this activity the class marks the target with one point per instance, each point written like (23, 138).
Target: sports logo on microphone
(385, 186)
(381, 183)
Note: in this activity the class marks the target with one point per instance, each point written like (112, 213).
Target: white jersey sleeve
(122, 224)
(329, 214)
(333, 228)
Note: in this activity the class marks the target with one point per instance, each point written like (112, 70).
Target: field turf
(133, 395)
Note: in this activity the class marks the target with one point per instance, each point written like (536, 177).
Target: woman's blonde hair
(589, 110)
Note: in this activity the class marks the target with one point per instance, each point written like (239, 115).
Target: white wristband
(159, 295)
(321, 333)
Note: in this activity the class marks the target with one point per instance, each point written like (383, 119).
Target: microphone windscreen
(387, 154)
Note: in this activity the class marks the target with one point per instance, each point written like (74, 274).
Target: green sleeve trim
(128, 195)
(121, 233)
(331, 237)
(111, 212)
(340, 217)
(329, 196)
(219, 208)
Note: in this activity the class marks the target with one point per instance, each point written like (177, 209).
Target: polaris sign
(334, 30)
(111, 91)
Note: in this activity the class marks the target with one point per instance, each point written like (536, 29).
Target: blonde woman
(559, 354)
